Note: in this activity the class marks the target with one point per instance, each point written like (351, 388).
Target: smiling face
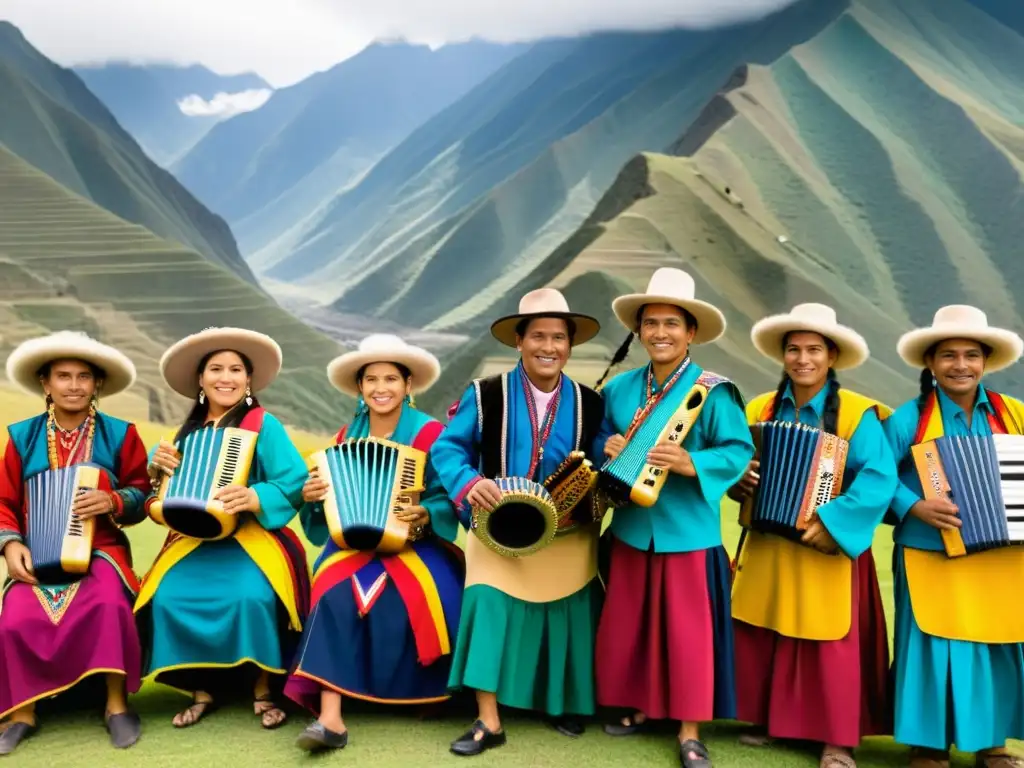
(71, 384)
(665, 333)
(958, 365)
(807, 357)
(224, 380)
(384, 387)
(545, 347)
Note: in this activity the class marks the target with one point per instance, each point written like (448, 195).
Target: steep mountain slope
(518, 164)
(54, 122)
(876, 168)
(66, 263)
(267, 169)
(145, 100)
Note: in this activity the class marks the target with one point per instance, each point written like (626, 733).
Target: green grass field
(385, 737)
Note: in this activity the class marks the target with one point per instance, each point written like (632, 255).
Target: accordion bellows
(211, 458)
(984, 477)
(801, 468)
(59, 542)
(370, 480)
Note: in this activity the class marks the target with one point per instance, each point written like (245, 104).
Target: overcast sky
(286, 40)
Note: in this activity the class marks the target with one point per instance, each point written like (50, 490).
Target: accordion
(984, 477)
(59, 542)
(572, 487)
(211, 458)
(629, 477)
(801, 469)
(524, 521)
(370, 480)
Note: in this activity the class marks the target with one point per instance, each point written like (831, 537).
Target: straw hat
(960, 321)
(768, 334)
(675, 287)
(384, 348)
(24, 363)
(544, 302)
(179, 365)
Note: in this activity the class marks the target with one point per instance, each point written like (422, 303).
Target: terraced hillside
(877, 168)
(67, 263)
(51, 120)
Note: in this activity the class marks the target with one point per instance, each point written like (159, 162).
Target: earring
(412, 400)
(202, 397)
(248, 396)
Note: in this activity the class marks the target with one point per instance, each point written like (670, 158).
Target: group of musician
(652, 621)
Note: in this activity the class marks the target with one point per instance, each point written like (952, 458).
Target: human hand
(94, 503)
(747, 484)
(614, 445)
(19, 562)
(165, 459)
(238, 499)
(315, 488)
(673, 457)
(484, 495)
(415, 515)
(818, 537)
(938, 513)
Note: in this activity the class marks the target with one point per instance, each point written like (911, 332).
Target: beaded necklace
(541, 433)
(85, 431)
(651, 399)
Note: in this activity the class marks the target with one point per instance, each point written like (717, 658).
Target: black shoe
(568, 725)
(13, 735)
(700, 759)
(468, 745)
(124, 729)
(317, 736)
(627, 728)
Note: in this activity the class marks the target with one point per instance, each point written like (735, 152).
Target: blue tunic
(369, 651)
(215, 608)
(947, 691)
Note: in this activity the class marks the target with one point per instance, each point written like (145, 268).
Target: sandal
(193, 714)
(693, 754)
(272, 716)
(998, 760)
(627, 726)
(921, 757)
(833, 758)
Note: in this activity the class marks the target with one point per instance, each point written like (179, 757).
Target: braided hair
(623, 351)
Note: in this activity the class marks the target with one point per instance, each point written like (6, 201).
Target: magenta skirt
(830, 692)
(664, 644)
(50, 640)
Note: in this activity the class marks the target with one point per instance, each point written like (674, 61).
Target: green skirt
(536, 656)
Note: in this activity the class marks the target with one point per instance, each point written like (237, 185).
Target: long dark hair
(928, 378)
(196, 418)
(830, 416)
(623, 351)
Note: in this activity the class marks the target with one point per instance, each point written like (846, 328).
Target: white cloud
(224, 105)
(286, 40)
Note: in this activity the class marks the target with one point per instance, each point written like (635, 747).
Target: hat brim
(179, 365)
(1006, 346)
(710, 320)
(24, 363)
(769, 334)
(423, 367)
(587, 327)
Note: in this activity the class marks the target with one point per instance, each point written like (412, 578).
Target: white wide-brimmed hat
(675, 287)
(769, 333)
(423, 367)
(960, 321)
(179, 365)
(25, 361)
(544, 302)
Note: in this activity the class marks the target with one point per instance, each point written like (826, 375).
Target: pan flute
(370, 481)
(211, 458)
(984, 477)
(629, 477)
(59, 542)
(801, 468)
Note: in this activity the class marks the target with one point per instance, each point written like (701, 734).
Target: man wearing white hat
(56, 627)
(526, 635)
(812, 653)
(665, 638)
(959, 639)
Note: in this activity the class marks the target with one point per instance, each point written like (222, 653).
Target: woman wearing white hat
(224, 613)
(812, 654)
(959, 639)
(665, 637)
(382, 625)
(56, 629)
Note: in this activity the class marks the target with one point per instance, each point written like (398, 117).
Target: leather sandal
(693, 754)
(13, 735)
(998, 760)
(193, 714)
(470, 744)
(627, 726)
(265, 711)
(831, 758)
